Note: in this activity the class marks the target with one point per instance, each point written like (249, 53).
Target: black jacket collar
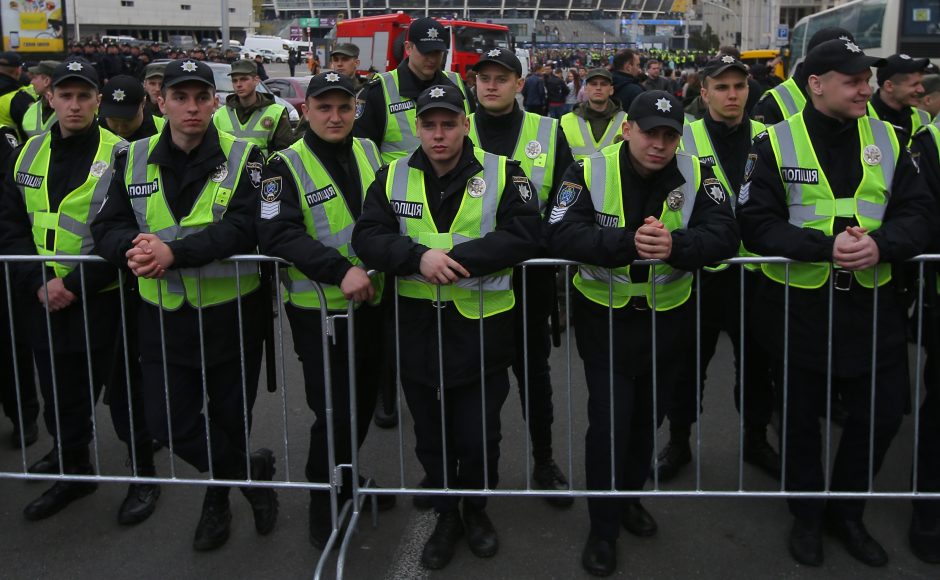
(410, 86)
(208, 153)
(421, 162)
(666, 179)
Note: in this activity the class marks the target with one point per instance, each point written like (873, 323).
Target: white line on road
(406, 564)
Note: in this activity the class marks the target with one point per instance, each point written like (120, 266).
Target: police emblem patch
(476, 186)
(749, 165)
(533, 149)
(872, 155)
(267, 123)
(254, 173)
(98, 168)
(716, 192)
(271, 189)
(11, 139)
(675, 200)
(523, 187)
(220, 173)
(360, 107)
(567, 195)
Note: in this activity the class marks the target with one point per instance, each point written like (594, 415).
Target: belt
(842, 280)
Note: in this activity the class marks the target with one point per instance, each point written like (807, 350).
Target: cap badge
(663, 105)
(98, 168)
(845, 38)
(437, 92)
(332, 77)
(852, 47)
(675, 199)
(903, 56)
(476, 186)
(494, 52)
(189, 66)
(872, 155)
(533, 149)
(432, 34)
(118, 95)
(727, 59)
(74, 66)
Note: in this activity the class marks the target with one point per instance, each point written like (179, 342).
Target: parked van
(275, 44)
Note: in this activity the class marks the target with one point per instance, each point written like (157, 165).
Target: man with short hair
(930, 102)
(899, 93)
(595, 123)
(451, 220)
(39, 115)
(200, 319)
(259, 63)
(386, 108)
(344, 59)
(836, 191)
(252, 116)
(557, 90)
(11, 68)
(123, 110)
(655, 81)
(626, 70)
(153, 82)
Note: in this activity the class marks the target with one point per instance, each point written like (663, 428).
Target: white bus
(880, 27)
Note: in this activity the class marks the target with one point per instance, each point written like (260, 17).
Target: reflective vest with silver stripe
(580, 138)
(598, 284)
(813, 205)
(257, 130)
(934, 131)
(32, 120)
(918, 119)
(71, 220)
(534, 150)
(789, 97)
(696, 141)
(217, 282)
(400, 137)
(475, 219)
(326, 216)
(6, 99)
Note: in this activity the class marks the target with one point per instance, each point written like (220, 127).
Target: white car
(271, 56)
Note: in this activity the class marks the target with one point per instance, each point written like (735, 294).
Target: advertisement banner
(31, 26)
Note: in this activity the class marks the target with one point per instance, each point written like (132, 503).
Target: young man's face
(651, 150)
(344, 64)
(245, 85)
(598, 90)
(725, 95)
(441, 133)
(188, 107)
(496, 88)
(331, 115)
(424, 64)
(75, 104)
(842, 96)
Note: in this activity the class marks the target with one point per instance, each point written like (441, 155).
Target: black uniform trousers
(20, 349)
(630, 398)
(928, 450)
(720, 297)
(540, 291)
(461, 411)
(307, 336)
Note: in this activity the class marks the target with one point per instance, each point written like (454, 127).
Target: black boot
(805, 543)
(599, 557)
(263, 500)
(48, 464)
(481, 535)
(141, 499)
(759, 453)
(674, 456)
(215, 522)
(637, 520)
(547, 475)
(26, 436)
(440, 547)
(925, 538)
(386, 413)
(60, 495)
(857, 541)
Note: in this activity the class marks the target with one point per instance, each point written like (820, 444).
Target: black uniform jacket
(767, 111)
(183, 177)
(765, 228)
(900, 119)
(370, 122)
(284, 235)
(711, 235)
(378, 242)
(69, 163)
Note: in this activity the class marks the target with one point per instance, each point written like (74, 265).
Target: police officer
(310, 199)
(899, 92)
(500, 127)
(924, 533)
(931, 99)
(634, 200)
(253, 116)
(123, 110)
(594, 124)
(722, 139)
(789, 97)
(57, 183)
(22, 413)
(190, 173)
(386, 111)
(39, 115)
(11, 90)
(153, 82)
(831, 185)
(450, 220)
(344, 59)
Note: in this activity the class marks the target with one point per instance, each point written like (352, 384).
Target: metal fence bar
(827, 461)
(742, 272)
(52, 371)
(918, 374)
(92, 395)
(203, 373)
(122, 294)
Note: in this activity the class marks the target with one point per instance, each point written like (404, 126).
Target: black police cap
(503, 57)
(75, 69)
(901, 64)
(446, 97)
(657, 109)
(181, 71)
(428, 35)
(843, 56)
(330, 81)
(10, 58)
(717, 66)
(828, 33)
(121, 97)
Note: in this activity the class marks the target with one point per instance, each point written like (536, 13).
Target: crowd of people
(443, 191)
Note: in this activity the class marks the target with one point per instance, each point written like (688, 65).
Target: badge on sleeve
(714, 190)
(523, 187)
(11, 139)
(360, 107)
(253, 168)
(749, 165)
(567, 196)
(270, 192)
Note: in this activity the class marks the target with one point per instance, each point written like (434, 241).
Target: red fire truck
(381, 41)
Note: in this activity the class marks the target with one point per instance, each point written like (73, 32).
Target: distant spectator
(626, 68)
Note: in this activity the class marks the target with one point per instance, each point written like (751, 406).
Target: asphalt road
(698, 536)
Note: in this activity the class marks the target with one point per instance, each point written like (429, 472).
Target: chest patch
(401, 107)
(408, 209)
(320, 196)
(28, 180)
(136, 190)
(799, 175)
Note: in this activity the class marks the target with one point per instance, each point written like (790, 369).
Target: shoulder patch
(523, 187)
(253, 169)
(714, 190)
(760, 137)
(11, 139)
(764, 96)
(271, 188)
(568, 194)
(360, 107)
(749, 165)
